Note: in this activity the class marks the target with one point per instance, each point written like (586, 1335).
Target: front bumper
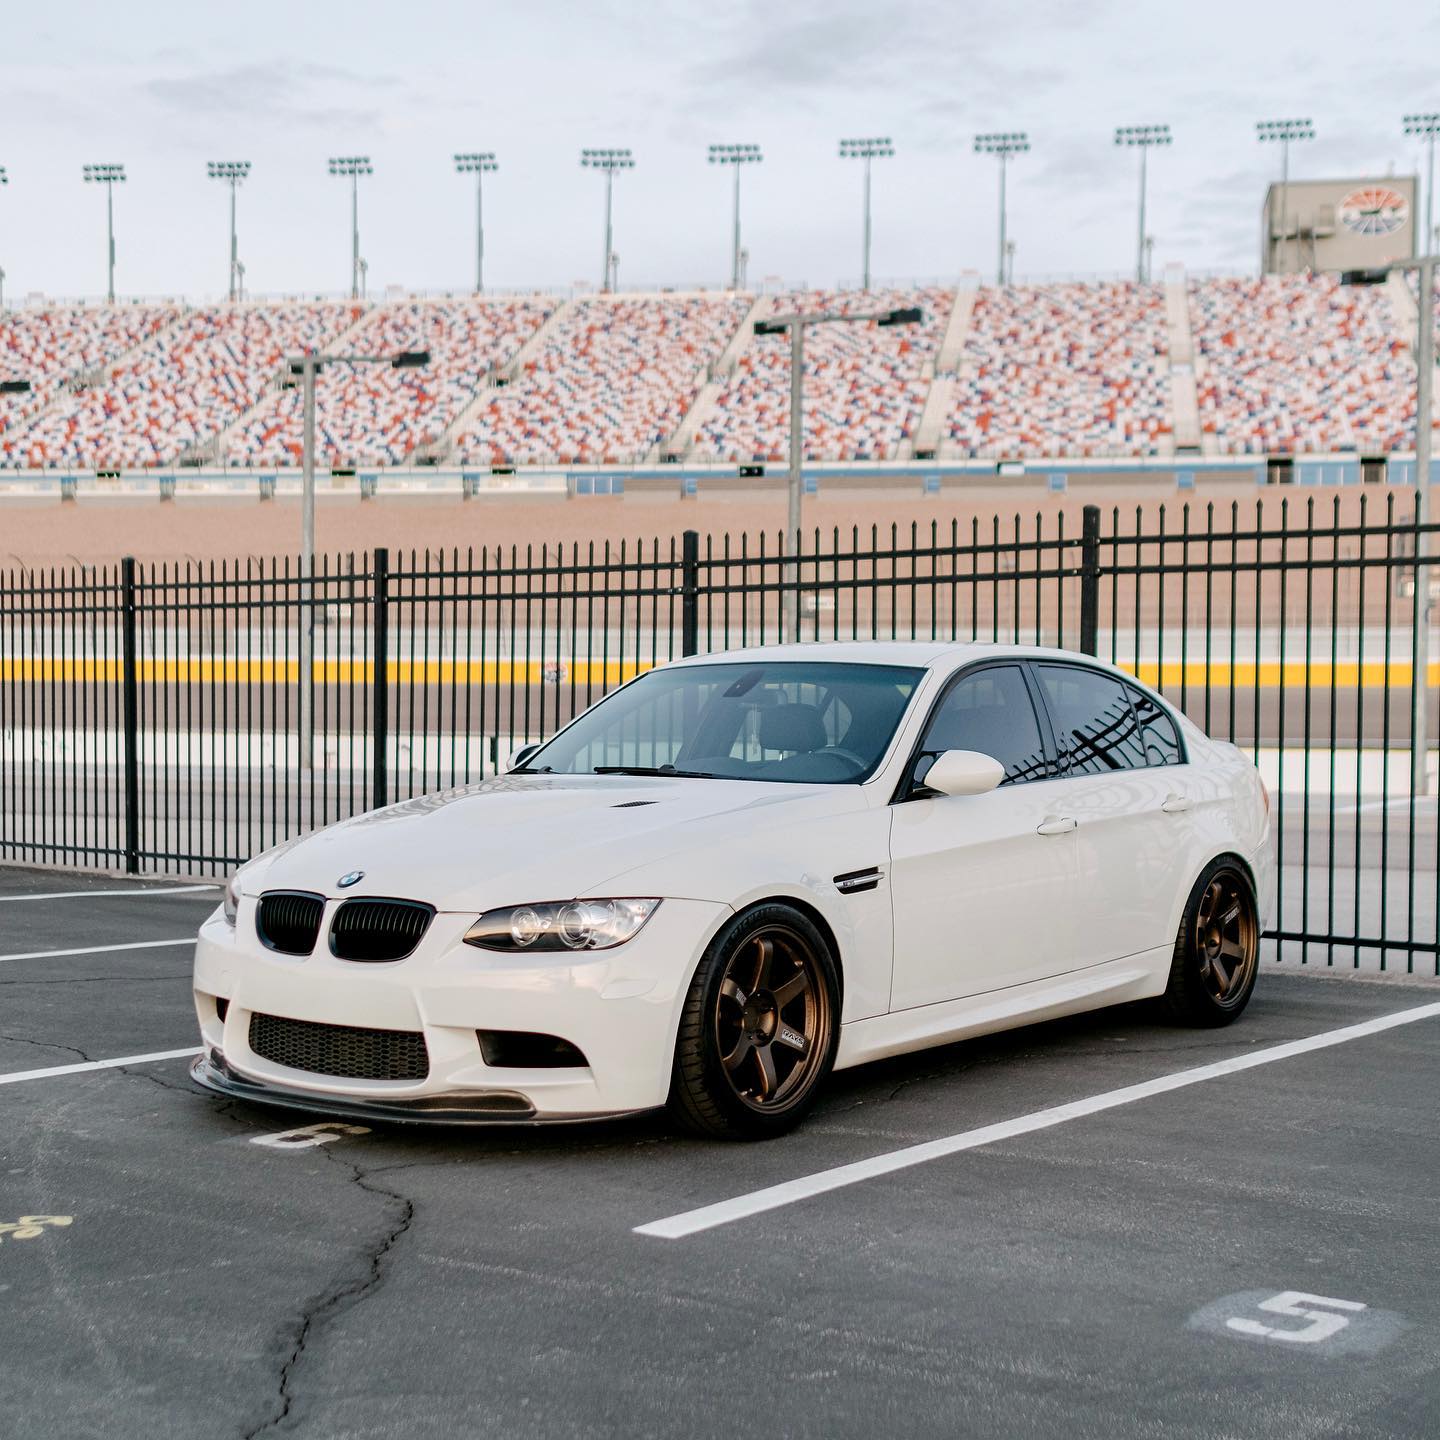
(619, 1008)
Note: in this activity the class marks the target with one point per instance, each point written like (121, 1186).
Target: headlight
(561, 925)
(231, 902)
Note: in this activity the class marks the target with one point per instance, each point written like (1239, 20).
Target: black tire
(1217, 951)
(718, 1084)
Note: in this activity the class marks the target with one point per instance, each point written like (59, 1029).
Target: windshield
(816, 722)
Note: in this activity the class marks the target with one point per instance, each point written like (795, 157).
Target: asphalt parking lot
(1251, 1252)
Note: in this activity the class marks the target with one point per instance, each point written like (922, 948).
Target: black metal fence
(152, 716)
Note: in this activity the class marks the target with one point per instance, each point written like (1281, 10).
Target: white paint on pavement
(106, 894)
(79, 1069)
(102, 949)
(790, 1192)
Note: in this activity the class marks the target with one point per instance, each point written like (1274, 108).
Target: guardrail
(150, 713)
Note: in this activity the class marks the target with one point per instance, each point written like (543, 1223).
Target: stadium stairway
(930, 431)
(1184, 399)
(212, 451)
(442, 451)
(680, 443)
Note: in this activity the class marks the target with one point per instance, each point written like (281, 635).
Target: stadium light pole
(1003, 144)
(874, 147)
(4, 180)
(233, 173)
(1142, 137)
(1424, 266)
(305, 368)
(795, 326)
(1426, 127)
(478, 163)
(1284, 133)
(608, 161)
(109, 176)
(737, 157)
(352, 167)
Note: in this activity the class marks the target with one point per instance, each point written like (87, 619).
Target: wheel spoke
(1222, 978)
(731, 991)
(764, 959)
(766, 1062)
(797, 985)
(1232, 950)
(792, 1039)
(743, 1046)
(1231, 915)
(1208, 902)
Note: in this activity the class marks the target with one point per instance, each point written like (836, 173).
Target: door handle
(1176, 804)
(1055, 825)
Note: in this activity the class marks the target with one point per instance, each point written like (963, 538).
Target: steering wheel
(858, 761)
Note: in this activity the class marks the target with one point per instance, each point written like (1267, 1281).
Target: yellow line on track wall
(1346, 674)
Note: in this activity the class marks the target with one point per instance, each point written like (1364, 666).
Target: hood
(522, 838)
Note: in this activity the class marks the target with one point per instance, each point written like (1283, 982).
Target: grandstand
(1283, 365)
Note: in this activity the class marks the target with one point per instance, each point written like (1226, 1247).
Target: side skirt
(1137, 977)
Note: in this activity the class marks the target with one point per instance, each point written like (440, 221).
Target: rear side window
(1157, 730)
(1095, 727)
(990, 711)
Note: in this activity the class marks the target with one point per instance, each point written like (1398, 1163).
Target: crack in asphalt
(343, 1295)
(102, 980)
(47, 1045)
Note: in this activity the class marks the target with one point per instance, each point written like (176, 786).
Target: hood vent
(632, 804)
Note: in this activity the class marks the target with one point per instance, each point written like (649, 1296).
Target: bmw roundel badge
(346, 881)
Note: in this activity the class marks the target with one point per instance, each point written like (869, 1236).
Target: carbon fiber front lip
(211, 1072)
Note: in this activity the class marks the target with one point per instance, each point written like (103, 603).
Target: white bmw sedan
(736, 874)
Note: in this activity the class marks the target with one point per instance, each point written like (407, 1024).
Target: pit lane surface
(1078, 1280)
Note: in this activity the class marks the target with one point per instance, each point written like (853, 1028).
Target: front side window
(818, 722)
(1095, 727)
(990, 711)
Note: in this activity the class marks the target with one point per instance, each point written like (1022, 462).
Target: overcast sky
(164, 85)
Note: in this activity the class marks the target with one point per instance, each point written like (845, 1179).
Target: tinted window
(1095, 727)
(1157, 729)
(990, 711)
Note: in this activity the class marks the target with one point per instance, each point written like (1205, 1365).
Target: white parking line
(102, 949)
(90, 894)
(17, 1076)
(690, 1222)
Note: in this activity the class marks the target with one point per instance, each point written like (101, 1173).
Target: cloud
(283, 93)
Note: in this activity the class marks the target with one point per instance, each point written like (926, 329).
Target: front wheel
(759, 1029)
(1217, 952)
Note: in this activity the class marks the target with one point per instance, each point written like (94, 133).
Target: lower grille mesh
(341, 1050)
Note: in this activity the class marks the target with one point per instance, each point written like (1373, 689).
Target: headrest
(792, 727)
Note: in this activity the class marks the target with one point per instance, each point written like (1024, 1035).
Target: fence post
(690, 593)
(1090, 580)
(380, 679)
(131, 703)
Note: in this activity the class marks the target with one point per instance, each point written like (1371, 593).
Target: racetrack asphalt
(1079, 1280)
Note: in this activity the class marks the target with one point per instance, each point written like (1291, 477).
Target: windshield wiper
(667, 771)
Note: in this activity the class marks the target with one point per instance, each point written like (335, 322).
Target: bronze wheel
(759, 1028)
(770, 1009)
(1217, 952)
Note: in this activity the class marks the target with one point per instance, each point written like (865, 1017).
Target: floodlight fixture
(234, 174)
(1426, 126)
(867, 148)
(109, 175)
(478, 163)
(737, 157)
(1142, 138)
(609, 161)
(1283, 133)
(1003, 144)
(351, 168)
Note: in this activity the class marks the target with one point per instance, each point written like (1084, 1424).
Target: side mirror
(964, 772)
(521, 756)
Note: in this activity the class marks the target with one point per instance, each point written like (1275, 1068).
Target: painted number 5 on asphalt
(1323, 1323)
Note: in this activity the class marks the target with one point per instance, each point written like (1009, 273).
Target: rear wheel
(1217, 952)
(759, 1028)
